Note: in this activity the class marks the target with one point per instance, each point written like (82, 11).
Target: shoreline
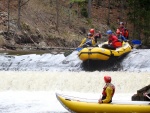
(35, 50)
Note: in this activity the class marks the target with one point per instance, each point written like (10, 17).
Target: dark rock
(144, 89)
(139, 96)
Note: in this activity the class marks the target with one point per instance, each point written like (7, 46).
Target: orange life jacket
(114, 41)
(117, 44)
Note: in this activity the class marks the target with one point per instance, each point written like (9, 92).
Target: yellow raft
(99, 53)
(75, 105)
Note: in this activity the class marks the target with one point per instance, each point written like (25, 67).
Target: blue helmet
(89, 34)
(109, 32)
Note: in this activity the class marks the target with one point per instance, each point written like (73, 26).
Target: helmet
(121, 23)
(118, 31)
(92, 31)
(89, 34)
(109, 32)
(107, 79)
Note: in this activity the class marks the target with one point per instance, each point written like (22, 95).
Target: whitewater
(29, 82)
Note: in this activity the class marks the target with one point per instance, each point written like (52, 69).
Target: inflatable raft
(99, 53)
(79, 106)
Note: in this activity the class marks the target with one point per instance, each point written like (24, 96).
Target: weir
(135, 61)
(84, 82)
(29, 82)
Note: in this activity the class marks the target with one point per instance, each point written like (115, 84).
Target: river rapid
(29, 82)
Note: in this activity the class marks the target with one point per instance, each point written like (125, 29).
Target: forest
(63, 23)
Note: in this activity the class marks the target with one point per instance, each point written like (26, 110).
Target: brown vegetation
(40, 28)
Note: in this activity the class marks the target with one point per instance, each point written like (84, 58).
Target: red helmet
(92, 31)
(107, 79)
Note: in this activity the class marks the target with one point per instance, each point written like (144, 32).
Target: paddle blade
(147, 96)
(138, 42)
(79, 49)
(67, 53)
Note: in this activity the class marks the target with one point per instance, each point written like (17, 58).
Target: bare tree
(89, 8)
(108, 19)
(20, 5)
(98, 2)
(19, 14)
(121, 9)
(57, 15)
(51, 2)
(69, 11)
(8, 8)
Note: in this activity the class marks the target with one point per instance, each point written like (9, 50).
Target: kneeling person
(108, 91)
(113, 41)
(89, 41)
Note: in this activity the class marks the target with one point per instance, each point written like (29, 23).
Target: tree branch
(24, 3)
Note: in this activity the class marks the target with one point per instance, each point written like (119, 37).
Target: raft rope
(77, 98)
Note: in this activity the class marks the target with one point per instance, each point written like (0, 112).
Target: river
(29, 82)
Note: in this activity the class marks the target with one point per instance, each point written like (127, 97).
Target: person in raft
(121, 38)
(108, 91)
(95, 35)
(88, 41)
(113, 41)
(123, 30)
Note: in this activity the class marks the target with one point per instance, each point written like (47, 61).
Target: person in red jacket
(113, 41)
(123, 30)
(108, 91)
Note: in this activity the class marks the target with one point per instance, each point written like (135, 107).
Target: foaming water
(36, 62)
(125, 82)
(43, 101)
(135, 61)
(29, 102)
(29, 82)
(34, 92)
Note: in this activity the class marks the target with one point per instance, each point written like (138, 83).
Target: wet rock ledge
(139, 96)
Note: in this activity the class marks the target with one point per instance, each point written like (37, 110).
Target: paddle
(77, 49)
(136, 42)
(147, 96)
(69, 52)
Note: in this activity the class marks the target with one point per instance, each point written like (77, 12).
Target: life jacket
(117, 44)
(104, 90)
(96, 36)
(114, 41)
(88, 42)
(124, 32)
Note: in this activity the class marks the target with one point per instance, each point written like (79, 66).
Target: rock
(2, 41)
(135, 97)
(42, 44)
(139, 96)
(1, 32)
(144, 89)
